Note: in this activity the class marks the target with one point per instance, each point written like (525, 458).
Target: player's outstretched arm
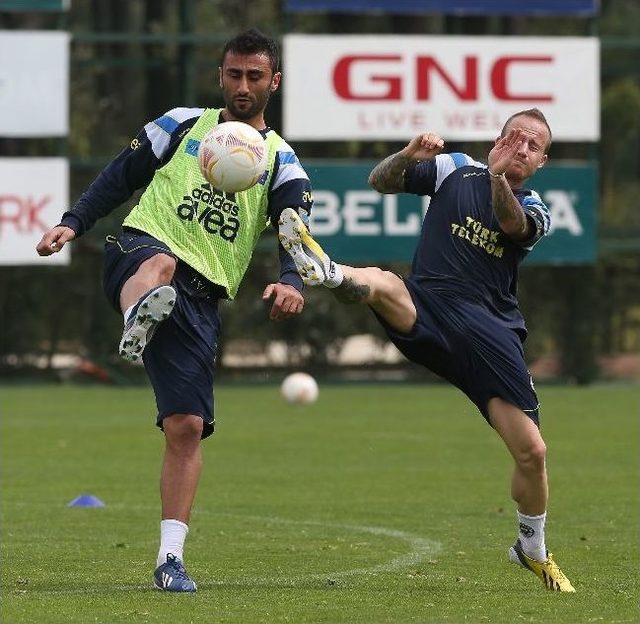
(388, 176)
(512, 218)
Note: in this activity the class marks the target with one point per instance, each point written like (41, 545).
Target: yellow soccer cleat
(313, 264)
(547, 571)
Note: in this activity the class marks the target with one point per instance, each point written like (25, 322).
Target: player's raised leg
(529, 490)
(384, 291)
(146, 299)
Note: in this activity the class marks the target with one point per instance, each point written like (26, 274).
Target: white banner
(34, 192)
(34, 83)
(393, 87)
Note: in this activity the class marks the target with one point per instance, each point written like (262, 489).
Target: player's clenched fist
(424, 146)
(54, 240)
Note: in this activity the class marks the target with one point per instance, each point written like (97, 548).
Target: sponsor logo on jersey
(215, 211)
(478, 235)
(192, 147)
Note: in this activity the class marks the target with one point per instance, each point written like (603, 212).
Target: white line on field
(420, 549)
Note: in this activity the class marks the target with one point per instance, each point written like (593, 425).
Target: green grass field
(377, 504)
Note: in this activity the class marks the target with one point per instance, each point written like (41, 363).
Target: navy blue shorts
(463, 343)
(180, 357)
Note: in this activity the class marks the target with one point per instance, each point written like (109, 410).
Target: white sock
(531, 535)
(172, 536)
(127, 312)
(334, 275)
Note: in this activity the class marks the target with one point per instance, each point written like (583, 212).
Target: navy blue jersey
(462, 248)
(153, 147)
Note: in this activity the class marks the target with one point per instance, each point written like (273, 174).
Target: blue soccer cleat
(153, 308)
(172, 577)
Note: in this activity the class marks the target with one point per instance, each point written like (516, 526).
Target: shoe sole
(300, 246)
(155, 308)
(173, 591)
(515, 558)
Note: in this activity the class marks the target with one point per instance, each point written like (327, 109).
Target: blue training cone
(86, 500)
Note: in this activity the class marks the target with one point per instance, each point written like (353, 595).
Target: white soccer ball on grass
(299, 389)
(233, 156)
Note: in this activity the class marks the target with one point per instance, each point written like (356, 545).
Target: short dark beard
(255, 109)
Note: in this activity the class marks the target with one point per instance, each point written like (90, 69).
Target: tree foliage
(117, 85)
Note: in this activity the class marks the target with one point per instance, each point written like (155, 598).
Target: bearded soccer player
(169, 267)
(457, 313)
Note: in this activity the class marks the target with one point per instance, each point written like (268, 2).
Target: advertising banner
(34, 83)
(357, 224)
(32, 6)
(582, 8)
(34, 192)
(392, 87)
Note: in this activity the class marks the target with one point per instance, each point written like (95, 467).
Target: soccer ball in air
(232, 156)
(299, 388)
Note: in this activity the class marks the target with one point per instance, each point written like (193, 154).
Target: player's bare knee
(405, 321)
(532, 457)
(161, 267)
(183, 431)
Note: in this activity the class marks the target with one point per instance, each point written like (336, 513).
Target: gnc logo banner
(34, 193)
(392, 87)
